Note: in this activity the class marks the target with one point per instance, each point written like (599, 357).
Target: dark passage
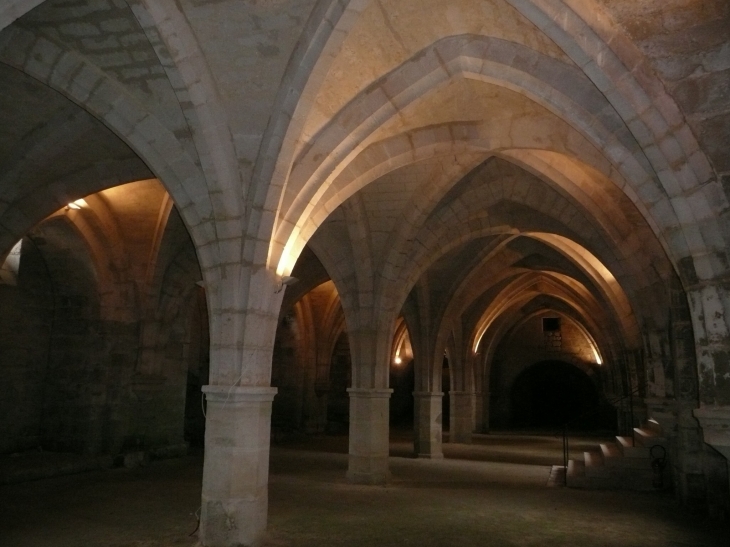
(551, 393)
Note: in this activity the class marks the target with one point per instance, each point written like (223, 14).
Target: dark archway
(198, 357)
(338, 400)
(550, 393)
(402, 382)
(286, 376)
(445, 389)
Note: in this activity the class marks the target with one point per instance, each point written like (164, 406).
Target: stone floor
(491, 493)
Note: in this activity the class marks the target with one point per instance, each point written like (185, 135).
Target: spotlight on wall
(76, 205)
(285, 281)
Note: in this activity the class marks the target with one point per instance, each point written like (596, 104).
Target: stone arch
(584, 332)
(400, 336)
(83, 83)
(438, 240)
(471, 287)
(15, 9)
(373, 103)
(328, 25)
(106, 249)
(183, 60)
(523, 289)
(607, 56)
(76, 344)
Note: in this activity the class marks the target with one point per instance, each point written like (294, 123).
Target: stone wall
(25, 324)
(528, 344)
(81, 372)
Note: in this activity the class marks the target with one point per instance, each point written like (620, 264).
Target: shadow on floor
(490, 493)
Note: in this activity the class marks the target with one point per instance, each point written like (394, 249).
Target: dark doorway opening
(446, 400)
(198, 357)
(402, 382)
(549, 394)
(338, 400)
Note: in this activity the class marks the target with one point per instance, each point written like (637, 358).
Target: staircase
(621, 465)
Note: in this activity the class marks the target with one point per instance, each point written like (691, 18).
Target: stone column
(317, 419)
(428, 424)
(461, 422)
(369, 432)
(486, 415)
(479, 413)
(236, 466)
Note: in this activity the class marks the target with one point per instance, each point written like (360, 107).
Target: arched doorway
(338, 401)
(548, 394)
(402, 382)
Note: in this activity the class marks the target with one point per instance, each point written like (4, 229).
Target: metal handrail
(566, 441)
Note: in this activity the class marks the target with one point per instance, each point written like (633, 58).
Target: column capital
(239, 394)
(369, 393)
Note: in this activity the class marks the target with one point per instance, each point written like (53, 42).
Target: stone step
(652, 425)
(577, 478)
(613, 456)
(576, 468)
(630, 449)
(594, 465)
(557, 476)
(648, 438)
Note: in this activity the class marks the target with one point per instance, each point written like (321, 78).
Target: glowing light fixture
(596, 355)
(397, 360)
(78, 204)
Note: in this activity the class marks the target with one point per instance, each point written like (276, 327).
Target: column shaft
(428, 426)
(461, 419)
(479, 426)
(236, 467)
(369, 432)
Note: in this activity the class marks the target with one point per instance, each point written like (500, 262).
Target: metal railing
(613, 402)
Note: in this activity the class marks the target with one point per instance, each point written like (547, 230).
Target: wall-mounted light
(397, 360)
(597, 356)
(76, 205)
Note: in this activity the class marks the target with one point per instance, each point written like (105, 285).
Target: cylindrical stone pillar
(428, 424)
(461, 424)
(485, 412)
(479, 413)
(369, 436)
(236, 467)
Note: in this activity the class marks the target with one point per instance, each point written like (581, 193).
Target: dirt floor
(490, 493)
